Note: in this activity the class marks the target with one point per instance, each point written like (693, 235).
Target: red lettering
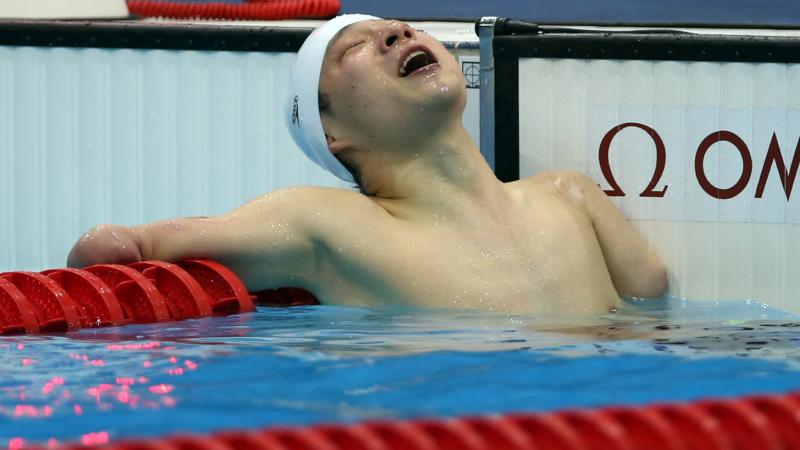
(747, 165)
(774, 157)
(605, 165)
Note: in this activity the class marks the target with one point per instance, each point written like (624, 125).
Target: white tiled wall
(91, 136)
(739, 248)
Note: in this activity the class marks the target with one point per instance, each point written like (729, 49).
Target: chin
(448, 94)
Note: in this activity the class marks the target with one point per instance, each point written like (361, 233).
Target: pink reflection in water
(142, 346)
(100, 437)
(161, 388)
(25, 411)
(117, 386)
(126, 381)
(52, 384)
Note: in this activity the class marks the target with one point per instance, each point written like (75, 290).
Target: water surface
(308, 365)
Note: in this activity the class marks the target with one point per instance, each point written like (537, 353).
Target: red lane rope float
(111, 295)
(100, 306)
(782, 414)
(140, 299)
(256, 10)
(749, 423)
(745, 425)
(186, 298)
(645, 428)
(16, 313)
(700, 431)
(596, 430)
(228, 294)
(54, 308)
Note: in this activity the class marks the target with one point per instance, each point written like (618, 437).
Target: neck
(435, 171)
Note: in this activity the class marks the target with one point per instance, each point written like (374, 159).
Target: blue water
(329, 364)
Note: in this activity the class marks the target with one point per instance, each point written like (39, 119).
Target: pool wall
(696, 137)
(127, 122)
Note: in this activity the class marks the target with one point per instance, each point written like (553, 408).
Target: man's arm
(266, 242)
(635, 269)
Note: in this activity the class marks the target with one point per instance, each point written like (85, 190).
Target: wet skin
(435, 227)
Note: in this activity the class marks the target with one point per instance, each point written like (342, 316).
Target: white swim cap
(302, 114)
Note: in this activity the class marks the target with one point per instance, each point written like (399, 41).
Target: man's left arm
(636, 270)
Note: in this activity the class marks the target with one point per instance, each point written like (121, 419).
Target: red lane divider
(112, 294)
(749, 423)
(16, 313)
(140, 299)
(54, 308)
(253, 10)
(186, 298)
(228, 293)
(100, 306)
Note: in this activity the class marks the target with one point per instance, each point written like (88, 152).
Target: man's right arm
(266, 242)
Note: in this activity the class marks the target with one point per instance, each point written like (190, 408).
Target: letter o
(747, 165)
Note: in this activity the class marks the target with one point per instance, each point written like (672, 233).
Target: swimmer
(380, 103)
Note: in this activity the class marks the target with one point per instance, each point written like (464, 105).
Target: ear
(336, 145)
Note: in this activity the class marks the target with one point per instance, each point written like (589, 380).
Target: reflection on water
(311, 364)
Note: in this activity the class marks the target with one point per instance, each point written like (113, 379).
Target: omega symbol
(661, 161)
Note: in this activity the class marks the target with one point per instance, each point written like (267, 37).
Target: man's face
(384, 79)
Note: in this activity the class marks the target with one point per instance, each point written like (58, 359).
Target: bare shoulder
(573, 186)
(320, 209)
(307, 199)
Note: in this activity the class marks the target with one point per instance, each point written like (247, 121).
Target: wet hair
(324, 101)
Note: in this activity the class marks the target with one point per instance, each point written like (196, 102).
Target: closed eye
(351, 47)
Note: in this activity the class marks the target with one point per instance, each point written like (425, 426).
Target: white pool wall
(744, 247)
(91, 136)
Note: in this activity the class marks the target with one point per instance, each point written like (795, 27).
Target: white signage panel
(702, 156)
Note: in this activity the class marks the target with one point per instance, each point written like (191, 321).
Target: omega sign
(658, 187)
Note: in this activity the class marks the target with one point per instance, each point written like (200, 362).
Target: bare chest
(538, 262)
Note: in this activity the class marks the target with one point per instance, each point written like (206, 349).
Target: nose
(393, 33)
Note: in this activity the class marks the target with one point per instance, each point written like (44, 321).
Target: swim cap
(302, 114)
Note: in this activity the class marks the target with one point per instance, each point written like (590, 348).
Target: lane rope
(103, 295)
(749, 423)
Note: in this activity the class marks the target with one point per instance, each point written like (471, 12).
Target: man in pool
(432, 226)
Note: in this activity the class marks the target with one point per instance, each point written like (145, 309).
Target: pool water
(308, 365)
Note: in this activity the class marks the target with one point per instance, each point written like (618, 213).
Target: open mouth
(415, 61)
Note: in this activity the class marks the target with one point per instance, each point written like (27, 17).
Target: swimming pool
(297, 366)
(322, 364)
